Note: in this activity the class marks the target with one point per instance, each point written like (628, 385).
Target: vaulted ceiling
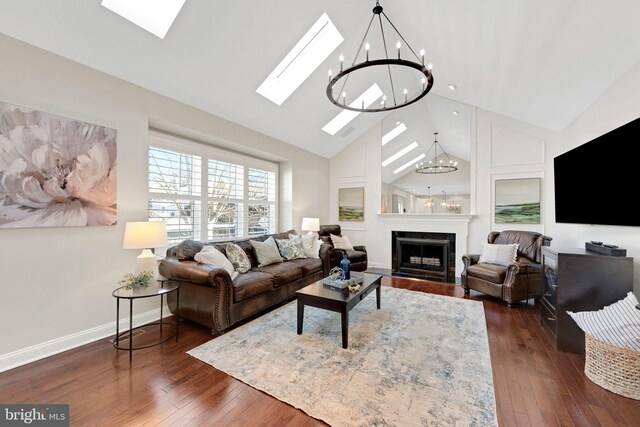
(541, 62)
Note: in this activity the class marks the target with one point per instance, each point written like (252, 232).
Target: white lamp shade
(145, 235)
(310, 224)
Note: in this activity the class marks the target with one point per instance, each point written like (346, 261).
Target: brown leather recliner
(515, 282)
(357, 257)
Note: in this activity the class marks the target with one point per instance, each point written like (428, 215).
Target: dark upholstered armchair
(520, 280)
(357, 257)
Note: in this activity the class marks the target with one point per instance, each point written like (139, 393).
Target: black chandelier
(394, 100)
(434, 166)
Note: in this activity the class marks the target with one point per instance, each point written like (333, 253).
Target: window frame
(206, 152)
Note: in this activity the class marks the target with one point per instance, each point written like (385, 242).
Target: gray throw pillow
(267, 252)
(238, 258)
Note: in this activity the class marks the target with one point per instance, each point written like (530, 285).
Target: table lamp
(146, 236)
(312, 225)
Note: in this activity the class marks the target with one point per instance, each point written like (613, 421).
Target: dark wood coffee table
(338, 300)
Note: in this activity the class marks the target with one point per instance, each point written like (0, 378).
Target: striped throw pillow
(617, 324)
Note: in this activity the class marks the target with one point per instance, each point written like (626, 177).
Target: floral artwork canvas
(55, 171)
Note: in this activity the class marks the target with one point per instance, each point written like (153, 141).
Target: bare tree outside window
(231, 195)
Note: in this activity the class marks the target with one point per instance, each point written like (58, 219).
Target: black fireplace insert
(424, 255)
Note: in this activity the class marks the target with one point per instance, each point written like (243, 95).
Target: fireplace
(424, 255)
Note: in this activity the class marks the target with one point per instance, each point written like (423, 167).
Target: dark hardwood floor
(534, 384)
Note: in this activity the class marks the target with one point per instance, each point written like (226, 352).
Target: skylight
(393, 133)
(400, 153)
(155, 16)
(409, 163)
(369, 96)
(312, 49)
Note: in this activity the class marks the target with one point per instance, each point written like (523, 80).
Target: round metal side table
(160, 288)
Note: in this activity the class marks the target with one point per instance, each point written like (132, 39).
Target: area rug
(421, 360)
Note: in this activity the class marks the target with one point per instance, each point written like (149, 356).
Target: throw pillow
(187, 249)
(267, 252)
(499, 254)
(238, 258)
(291, 248)
(341, 242)
(211, 256)
(311, 245)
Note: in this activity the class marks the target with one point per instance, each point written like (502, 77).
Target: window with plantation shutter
(226, 200)
(175, 192)
(207, 194)
(262, 200)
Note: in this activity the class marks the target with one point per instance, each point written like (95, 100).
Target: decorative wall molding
(426, 217)
(510, 147)
(58, 345)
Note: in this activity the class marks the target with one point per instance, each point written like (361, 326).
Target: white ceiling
(433, 114)
(542, 62)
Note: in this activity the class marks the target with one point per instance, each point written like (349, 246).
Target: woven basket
(613, 368)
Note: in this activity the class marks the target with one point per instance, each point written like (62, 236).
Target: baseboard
(58, 345)
(374, 264)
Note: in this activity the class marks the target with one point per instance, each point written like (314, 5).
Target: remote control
(606, 245)
(596, 243)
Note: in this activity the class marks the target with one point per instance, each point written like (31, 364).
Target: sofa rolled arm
(207, 276)
(192, 272)
(360, 248)
(512, 271)
(325, 255)
(470, 259)
(336, 256)
(467, 260)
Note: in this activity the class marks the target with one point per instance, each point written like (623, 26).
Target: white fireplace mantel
(434, 223)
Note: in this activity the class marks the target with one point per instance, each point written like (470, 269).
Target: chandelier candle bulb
(430, 66)
(381, 69)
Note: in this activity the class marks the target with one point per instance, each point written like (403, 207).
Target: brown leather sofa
(208, 295)
(518, 281)
(357, 257)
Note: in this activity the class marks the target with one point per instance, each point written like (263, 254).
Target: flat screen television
(598, 182)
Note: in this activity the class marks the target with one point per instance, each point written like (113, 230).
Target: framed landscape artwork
(351, 204)
(517, 201)
(55, 171)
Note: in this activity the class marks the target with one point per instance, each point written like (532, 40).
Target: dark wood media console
(576, 279)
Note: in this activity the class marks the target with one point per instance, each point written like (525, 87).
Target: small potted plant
(137, 281)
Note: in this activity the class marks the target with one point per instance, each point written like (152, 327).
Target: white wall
(506, 149)
(620, 104)
(56, 283)
(358, 165)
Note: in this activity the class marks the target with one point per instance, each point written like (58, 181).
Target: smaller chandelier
(428, 204)
(391, 98)
(449, 206)
(434, 166)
